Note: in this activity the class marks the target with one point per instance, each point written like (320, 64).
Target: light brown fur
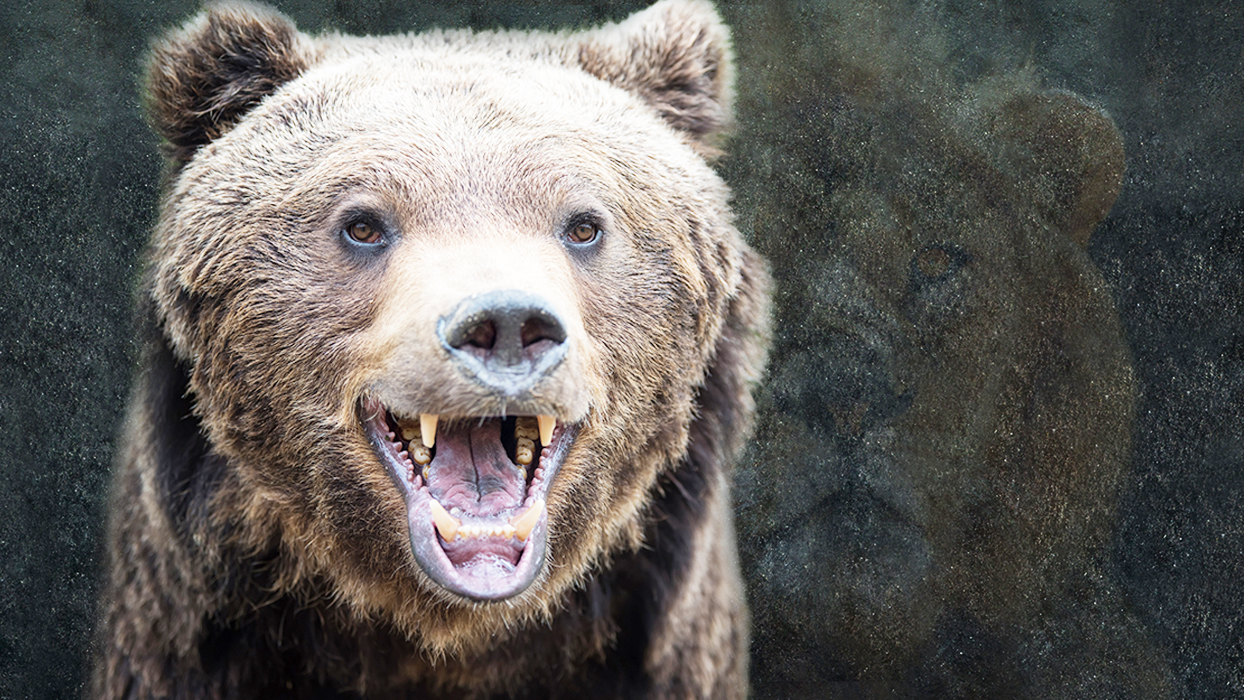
(269, 545)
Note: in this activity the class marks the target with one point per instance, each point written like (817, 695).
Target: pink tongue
(471, 470)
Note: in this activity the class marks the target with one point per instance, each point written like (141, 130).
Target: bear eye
(363, 232)
(933, 262)
(938, 262)
(940, 288)
(583, 232)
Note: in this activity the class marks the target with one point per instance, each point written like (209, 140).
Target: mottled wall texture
(846, 111)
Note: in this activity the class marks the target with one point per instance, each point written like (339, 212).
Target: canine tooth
(427, 428)
(420, 454)
(547, 423)
(524, 523)
(446, 524)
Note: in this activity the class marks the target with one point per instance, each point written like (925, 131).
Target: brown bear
(927, 506)
(449, 340)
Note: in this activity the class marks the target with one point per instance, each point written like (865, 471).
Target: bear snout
(507, 340)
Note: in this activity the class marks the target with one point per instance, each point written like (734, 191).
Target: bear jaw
(494, 553)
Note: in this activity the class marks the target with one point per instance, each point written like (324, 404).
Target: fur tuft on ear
(676, 55)
(1069, 151)
(202, 78)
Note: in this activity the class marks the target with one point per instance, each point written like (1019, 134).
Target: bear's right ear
(676, 56)
(202, 78)
(1068, 153)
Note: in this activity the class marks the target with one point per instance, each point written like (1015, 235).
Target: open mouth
(475, 491)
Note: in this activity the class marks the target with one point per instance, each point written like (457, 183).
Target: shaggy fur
(258, 548)
(927, 506)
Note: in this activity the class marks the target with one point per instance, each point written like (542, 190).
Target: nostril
(482, 335)
(537, 329)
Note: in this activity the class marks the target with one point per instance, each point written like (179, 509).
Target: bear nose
(507, 339)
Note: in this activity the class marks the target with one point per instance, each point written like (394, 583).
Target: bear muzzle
(475, 483)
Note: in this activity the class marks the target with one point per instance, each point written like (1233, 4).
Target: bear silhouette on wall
(925, 508)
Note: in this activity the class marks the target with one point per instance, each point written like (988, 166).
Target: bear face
(501, 218)
(450, 312)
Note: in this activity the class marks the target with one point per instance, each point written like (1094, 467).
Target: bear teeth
(421, 454)
(541, 427)
(525, 428)
(505, 530)
(524, 451)
(547, 424)
(413, 434)
(524, 523)
(427, 425)
(419, 438)
(452, 528)
(424, 431)
(446, 524)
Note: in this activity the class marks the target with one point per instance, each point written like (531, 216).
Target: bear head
(447, 305)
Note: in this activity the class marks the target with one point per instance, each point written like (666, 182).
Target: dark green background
(78, 191)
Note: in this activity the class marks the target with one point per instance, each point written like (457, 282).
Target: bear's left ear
(1068, 153)
(203, 77)
(676, 56)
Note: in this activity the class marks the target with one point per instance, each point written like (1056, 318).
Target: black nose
(508, 340)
